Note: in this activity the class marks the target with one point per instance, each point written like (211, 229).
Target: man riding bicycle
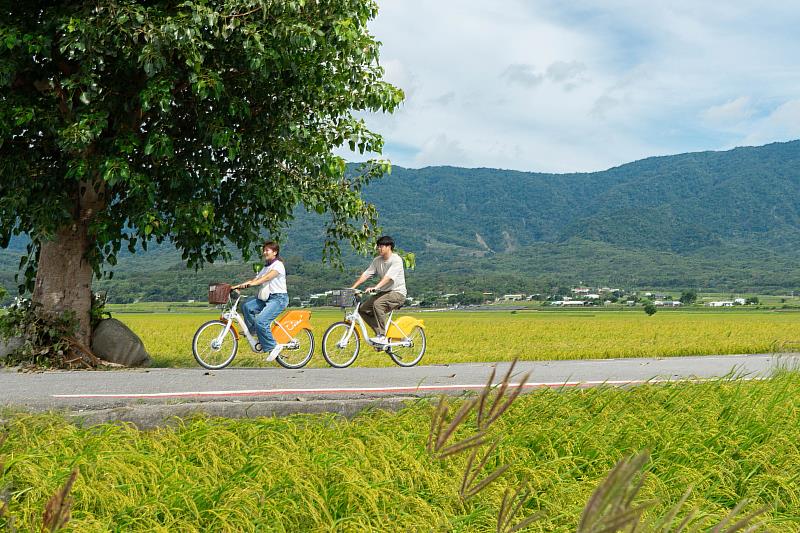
(389, 291)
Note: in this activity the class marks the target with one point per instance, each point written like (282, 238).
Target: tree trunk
(64, 276)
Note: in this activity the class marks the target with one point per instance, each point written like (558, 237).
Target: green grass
(461, 337)
(730, 440)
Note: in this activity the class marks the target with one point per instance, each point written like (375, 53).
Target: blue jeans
(258, 315)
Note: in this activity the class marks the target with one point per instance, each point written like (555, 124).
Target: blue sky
(553, 86)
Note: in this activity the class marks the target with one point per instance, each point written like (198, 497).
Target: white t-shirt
(278, 283)
(392, 267)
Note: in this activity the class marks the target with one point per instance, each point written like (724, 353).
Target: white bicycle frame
(354, 318)
(232, 315)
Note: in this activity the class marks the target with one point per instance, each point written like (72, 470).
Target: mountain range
(725, 220)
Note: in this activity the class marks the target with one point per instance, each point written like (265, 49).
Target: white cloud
(731, 112)
(782, 124)
(584, 85)
(440, 148)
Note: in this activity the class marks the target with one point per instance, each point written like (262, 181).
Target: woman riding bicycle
(272, 299)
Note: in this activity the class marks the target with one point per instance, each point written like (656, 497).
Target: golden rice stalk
(611, 507)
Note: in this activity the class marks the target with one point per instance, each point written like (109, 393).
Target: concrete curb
(149, 416)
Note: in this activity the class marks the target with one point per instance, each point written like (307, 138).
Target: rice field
(728, 439)
(461, 337)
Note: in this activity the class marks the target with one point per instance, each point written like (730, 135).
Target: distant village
(575, 297)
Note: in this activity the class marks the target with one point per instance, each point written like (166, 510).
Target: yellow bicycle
(342, 340)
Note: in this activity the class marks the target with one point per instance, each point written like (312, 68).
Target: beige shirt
(392, 267)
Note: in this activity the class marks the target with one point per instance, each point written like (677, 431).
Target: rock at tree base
(114, 342)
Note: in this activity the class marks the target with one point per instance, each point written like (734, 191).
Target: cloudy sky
(553, 86)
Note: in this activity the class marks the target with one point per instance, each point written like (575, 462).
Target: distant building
(513, 297)
(725, 303)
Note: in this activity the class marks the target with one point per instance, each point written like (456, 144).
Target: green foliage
(201, 122)
(467, 298)
(45, 338)
(98, 310)
(688, 297)
(409, 258)
(650, 308)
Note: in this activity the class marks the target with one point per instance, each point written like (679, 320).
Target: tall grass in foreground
(729, 439)
(461, 337)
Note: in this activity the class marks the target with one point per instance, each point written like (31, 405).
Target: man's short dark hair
(387, 241)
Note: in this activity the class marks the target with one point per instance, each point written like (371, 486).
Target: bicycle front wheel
(211, 349)
(338, 350)
(298, 353)
(410, 355)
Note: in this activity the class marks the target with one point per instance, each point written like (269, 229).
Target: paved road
(149, 397)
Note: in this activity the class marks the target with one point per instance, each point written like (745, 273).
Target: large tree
(204, 122)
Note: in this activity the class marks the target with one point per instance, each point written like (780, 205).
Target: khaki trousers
(375, 308)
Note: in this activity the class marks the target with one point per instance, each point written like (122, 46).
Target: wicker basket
(218, 293)
(343, 297)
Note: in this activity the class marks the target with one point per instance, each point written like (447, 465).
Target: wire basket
(218, 293)
(343, 297)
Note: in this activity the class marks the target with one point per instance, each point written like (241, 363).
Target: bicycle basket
(218, 293)
(343, 297)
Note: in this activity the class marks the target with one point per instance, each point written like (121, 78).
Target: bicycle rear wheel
(336, 352)
(211, 349)
(297, 356)
(410, 355)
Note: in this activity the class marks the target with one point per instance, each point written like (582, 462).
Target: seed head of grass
(511, 505)
(468, 486)
(496, 406)
(57, 511)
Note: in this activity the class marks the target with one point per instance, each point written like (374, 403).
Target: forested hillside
(718, 220)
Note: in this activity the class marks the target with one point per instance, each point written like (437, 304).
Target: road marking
(416, 388)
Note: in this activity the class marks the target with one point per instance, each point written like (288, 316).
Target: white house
(724, 303)
(513, 297)
(568, 303)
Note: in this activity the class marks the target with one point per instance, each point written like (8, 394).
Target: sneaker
(380, 339)
(276, 351)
